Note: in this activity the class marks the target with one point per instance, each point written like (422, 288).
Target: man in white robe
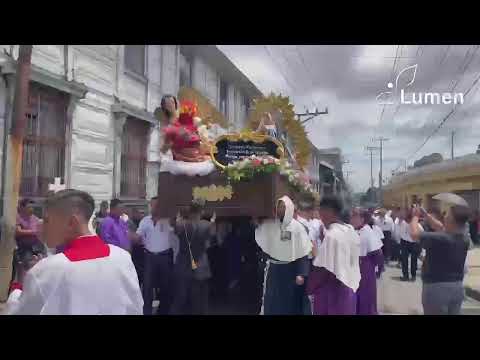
(287, 245)
(88, 278)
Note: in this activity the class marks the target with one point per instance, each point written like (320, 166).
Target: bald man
(88, 277)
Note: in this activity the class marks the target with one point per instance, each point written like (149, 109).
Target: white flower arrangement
(246, 168)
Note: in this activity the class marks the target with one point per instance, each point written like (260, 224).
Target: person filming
(445, 253)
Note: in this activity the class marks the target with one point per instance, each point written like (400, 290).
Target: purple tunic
(115, 231)
(367, 290)
(330, 295)
(30, 223)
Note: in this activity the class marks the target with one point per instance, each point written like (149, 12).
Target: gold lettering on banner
(212, 193)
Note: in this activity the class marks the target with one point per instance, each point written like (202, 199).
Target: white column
(119, 123)
(68, 140)
(153, 165)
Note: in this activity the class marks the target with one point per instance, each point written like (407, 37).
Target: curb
(473, 293)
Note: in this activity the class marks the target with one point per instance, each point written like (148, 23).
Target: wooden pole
(13, 168)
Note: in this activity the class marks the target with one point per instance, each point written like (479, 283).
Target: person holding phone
(445, 253)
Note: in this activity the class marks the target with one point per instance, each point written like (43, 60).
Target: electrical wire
(444, 119)
(466, 65)
(307, 69)
(278, 67)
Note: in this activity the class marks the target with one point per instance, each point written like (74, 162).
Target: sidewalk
(472, 278)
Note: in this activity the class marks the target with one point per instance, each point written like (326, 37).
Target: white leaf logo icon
(413, 70)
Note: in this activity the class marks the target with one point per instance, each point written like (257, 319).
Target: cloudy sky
(347, 80)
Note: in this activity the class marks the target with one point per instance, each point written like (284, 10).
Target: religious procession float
(235, 173)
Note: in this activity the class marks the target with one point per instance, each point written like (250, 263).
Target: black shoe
(404, 278)
(414, 279)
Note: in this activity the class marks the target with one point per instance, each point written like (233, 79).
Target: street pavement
(396, 297)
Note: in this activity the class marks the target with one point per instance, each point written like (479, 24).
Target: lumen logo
(415, 98)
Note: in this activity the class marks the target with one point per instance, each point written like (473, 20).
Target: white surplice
(369, 241)
(284, 240)
(339, 253)
(88, 278)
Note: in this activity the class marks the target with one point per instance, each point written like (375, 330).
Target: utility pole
(13, 168)
(371, 149)
(453, 137)
(381, 140)
(310, 115)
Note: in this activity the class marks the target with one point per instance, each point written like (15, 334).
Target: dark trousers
(409, 249)
(395, 251)
(191, 297)
(304, 307)
(138, 259)
(158, 272)
(387, 245)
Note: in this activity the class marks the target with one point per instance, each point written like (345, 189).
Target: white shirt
(386, 224)
(396, 231)
(378, 231)
(308, 225)
(369, 241)
(405, 231)
(317, 226)
(59, 285)
(156, 238)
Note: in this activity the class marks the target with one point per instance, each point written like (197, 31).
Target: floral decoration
(246, 169)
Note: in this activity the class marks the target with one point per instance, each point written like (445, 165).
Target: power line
(465, 67)
(391, 77)
(445, 55)
(444, 120)
(279, 68)
(307, 69)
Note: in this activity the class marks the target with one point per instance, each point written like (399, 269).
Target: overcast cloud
(347, 79)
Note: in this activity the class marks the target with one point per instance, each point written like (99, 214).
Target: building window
(185, 70)
(135, 59)
(223, 97)
(134, 159)
(44, 144)
(246, 103)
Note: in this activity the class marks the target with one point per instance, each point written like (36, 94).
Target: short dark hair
(72, 200)
(25, 202)
(114, 203)
(460, 214)
(365, 215)
(332, 202)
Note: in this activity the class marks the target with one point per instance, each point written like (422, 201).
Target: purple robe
(367, 290)
(115, 231)
(330, 295)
